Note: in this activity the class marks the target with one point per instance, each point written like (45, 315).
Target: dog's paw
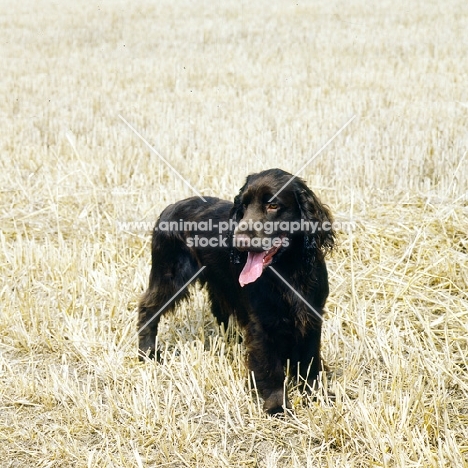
(150, 353)
(276, 403)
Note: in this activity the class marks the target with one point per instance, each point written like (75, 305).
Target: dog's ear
(237, 210)
(321, 235)
(235, 215)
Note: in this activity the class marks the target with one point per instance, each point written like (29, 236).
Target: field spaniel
(264, 263)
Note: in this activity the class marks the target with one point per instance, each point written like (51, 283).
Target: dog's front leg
(264, 362)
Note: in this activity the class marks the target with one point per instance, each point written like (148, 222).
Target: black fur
(278, 324)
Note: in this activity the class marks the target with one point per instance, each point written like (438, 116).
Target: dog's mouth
(256, 263)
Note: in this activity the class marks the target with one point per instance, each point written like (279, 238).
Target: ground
(220, 90)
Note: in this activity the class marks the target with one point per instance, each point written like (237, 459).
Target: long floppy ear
(321, 235)
(235, 216)
(237, 211)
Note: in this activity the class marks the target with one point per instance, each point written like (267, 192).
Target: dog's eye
(272, 206)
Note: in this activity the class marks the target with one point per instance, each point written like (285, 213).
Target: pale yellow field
(223, 89)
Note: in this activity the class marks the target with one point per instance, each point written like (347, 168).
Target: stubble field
(221, 90)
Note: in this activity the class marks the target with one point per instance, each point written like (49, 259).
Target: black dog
(279, 308)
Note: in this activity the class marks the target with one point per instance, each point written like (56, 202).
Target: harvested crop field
(221, 90)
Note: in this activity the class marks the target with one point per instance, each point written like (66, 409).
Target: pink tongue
(253, 268)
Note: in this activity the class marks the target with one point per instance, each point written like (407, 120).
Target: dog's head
(272, 211)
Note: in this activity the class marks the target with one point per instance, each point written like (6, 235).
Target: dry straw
(222, 90)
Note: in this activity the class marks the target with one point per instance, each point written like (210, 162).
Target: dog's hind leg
(309, 360)
(173, 264)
